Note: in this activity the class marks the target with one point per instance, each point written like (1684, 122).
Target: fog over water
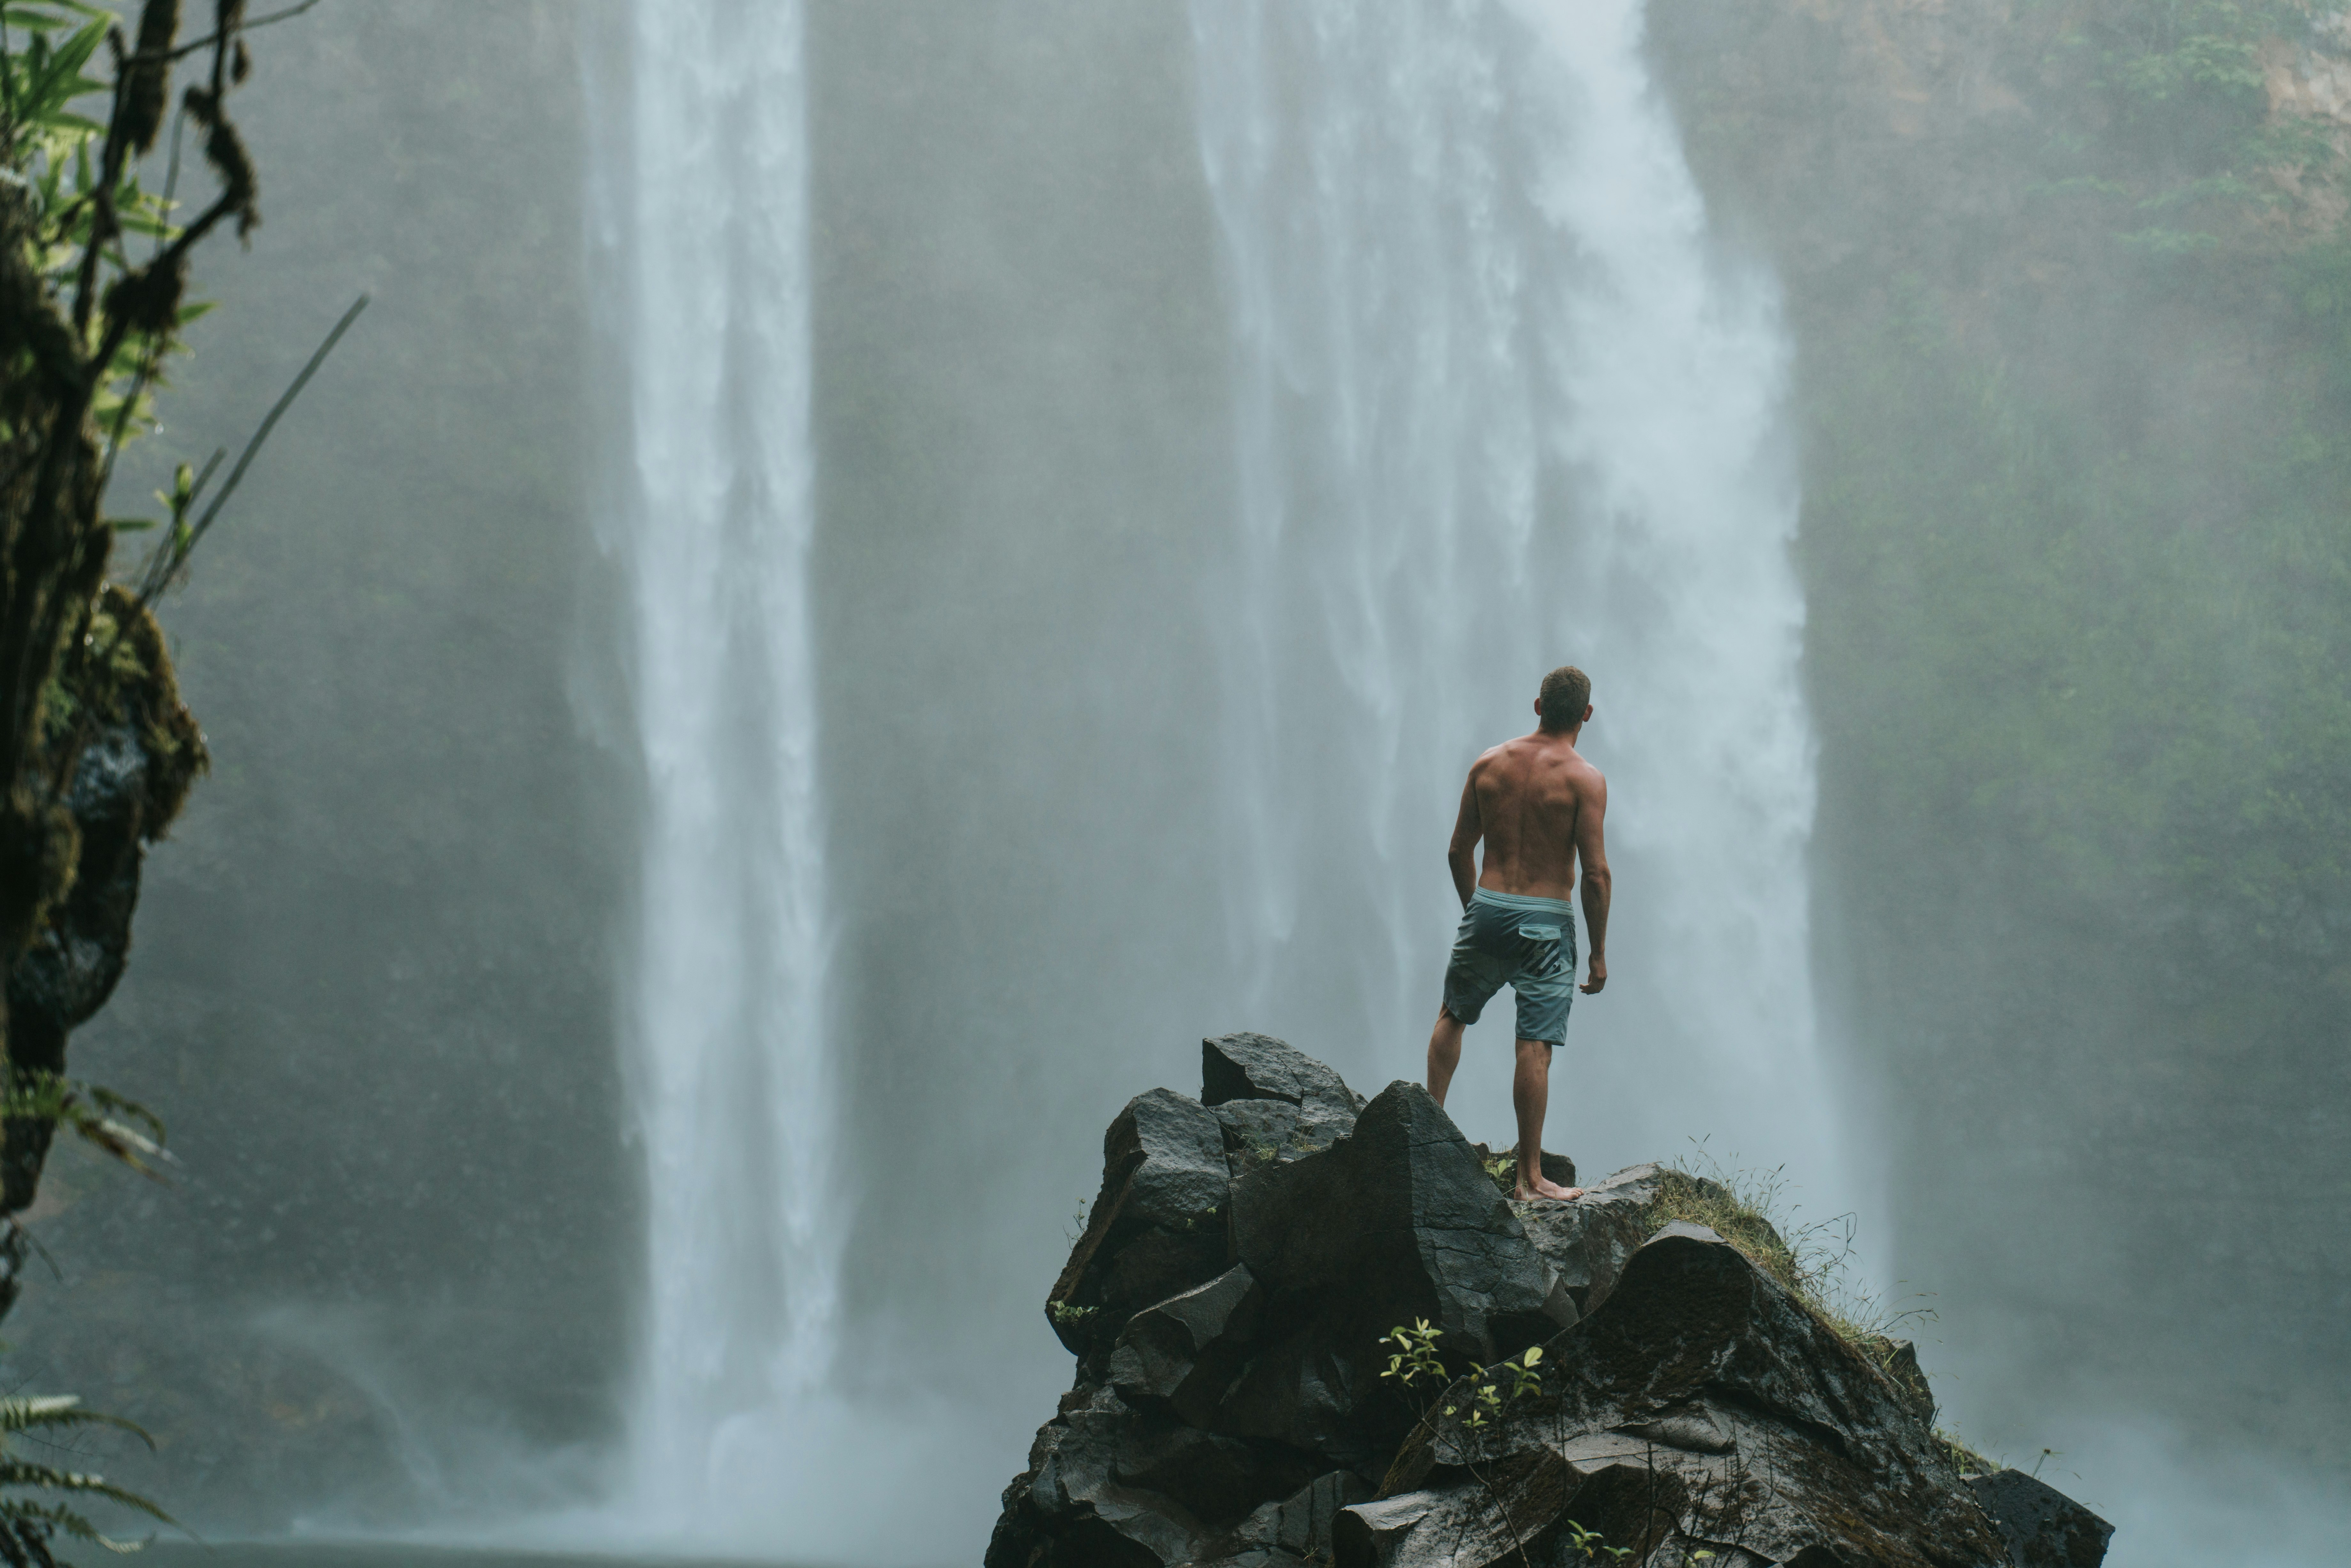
(881, 568)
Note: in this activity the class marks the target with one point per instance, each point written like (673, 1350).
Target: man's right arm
(1592, 849)
(1461, 855)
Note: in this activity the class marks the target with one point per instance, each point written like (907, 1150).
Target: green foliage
(1070, 1316)
(1416, 1364)
(31, 1516)
(1474, 1400)
(122, 1129)
(54, 149)
(2115, 654)
(1492, 1388)
(1590, 1549)
(2162, 129)
(1416, 1360)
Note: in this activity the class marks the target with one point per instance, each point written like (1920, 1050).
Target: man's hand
(1595, 976)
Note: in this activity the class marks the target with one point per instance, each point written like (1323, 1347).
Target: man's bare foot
(1545, 1187)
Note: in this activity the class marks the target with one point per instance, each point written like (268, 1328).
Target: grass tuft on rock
(1968, 1461)
(1749, 1209)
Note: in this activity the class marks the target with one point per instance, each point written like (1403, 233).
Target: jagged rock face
(1156, 1228)
(2042, 1526)
(1588, 1242)
(1749, 1426)
(1239, 1416)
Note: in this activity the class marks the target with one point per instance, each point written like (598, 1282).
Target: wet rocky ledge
(1614, 1390)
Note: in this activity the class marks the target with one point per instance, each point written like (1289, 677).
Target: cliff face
(1292, 1312)
(2070, 288)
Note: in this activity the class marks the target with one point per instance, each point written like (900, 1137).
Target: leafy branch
(122, 1129)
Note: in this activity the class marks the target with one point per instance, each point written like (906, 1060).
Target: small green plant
(29, 1522)
(1749, 1209)
(1076, 1230)
(1589, 1547)
(1070, 1316)
(1415, 1360)
(1415, 1364)
(1497, 1385)
(122, 1129)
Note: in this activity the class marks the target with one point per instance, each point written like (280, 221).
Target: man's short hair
(1566, 692)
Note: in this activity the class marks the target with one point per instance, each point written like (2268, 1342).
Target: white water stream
(1497, 408)
(735, 1096)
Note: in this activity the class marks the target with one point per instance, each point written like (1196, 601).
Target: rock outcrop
(1230, 1305)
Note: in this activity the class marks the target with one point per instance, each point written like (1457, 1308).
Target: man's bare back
(1528, 799)
(1538, 806)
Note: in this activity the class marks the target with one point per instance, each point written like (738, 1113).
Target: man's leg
(1444, 1054)
(1531, 1097)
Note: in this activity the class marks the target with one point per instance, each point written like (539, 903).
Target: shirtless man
(1538, 806)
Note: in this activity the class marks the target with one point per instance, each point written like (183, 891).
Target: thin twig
(170, 183)
(285, 15)
(7, 92)
(179, 549)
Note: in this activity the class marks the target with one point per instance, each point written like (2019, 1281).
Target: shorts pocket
(1546, 955)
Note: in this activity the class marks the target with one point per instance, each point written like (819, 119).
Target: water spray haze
(1498, 407)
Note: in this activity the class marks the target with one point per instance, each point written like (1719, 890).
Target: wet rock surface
(2042, 1526)
(1250, 1251)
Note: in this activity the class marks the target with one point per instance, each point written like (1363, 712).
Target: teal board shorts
(1526, 943)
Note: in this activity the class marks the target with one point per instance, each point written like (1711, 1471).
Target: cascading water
(1496, 409)
(1493, 410)
(736, 1104)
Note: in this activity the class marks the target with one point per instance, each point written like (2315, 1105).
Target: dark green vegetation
(97, 751)
(372, 986)
(2071, 291)
(378, 1555)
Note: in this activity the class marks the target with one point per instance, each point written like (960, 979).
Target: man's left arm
(1592, 849)
(1461, 855)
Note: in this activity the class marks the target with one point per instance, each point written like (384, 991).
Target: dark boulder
(1157, 1226)
(1259, 1067)
(2042, 1526)
(1187, 1350)
(1395, 1223)
(1300, 1525)
(1587, 1241)
(1749, 1424)
(1399, 1219)
(1249, 1256)
(1275, 1103)
(1109, 1484)
(1519, 1507)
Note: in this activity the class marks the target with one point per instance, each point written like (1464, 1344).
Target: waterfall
(1498, 407)
(734, 1097)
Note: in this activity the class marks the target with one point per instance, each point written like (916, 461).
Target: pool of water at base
(379, 1555)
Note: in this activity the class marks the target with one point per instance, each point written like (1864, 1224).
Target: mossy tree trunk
(97, 751)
